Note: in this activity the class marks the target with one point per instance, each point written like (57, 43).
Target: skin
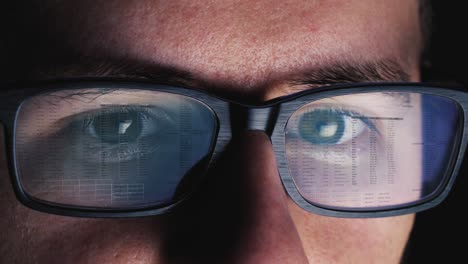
(244, 49)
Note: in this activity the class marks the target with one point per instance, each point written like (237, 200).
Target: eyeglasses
(117, 148)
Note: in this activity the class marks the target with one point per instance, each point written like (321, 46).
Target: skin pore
(249, 50)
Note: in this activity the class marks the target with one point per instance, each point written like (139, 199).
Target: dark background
(439, 234)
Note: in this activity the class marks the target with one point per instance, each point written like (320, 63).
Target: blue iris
(322, 126)
(108, 126)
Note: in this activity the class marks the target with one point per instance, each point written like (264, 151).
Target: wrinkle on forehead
(244, 43)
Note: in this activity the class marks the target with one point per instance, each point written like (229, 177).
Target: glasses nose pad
(252, 118)
(242, 119)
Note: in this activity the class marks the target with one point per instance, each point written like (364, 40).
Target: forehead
(243, 43)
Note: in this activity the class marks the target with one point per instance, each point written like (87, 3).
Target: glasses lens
(116, 148)
(372, 150)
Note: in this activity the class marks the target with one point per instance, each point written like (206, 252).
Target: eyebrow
(349, 72)
(384, 70)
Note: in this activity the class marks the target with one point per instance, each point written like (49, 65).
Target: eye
(121, 126)
(329, 126)
(118, 133)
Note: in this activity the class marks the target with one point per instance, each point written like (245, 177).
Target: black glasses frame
(270, 117)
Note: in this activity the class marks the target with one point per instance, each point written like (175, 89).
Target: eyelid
(56, 128)
(351, 111)
(89, 116)
(110, 109)
(367, 120)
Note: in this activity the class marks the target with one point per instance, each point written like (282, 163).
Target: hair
(425, 21)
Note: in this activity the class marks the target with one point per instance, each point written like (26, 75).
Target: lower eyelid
(97, 150)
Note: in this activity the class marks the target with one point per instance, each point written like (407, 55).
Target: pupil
(117, 127)
(327, 129)
(321, 127)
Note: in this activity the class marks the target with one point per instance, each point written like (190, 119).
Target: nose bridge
(262, 118)
(269, 233)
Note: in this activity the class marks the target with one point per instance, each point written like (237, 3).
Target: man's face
(248, 50)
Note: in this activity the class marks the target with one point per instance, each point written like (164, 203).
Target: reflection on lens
(111, 149)
(371, 150)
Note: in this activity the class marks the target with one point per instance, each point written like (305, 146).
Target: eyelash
(351, 113)
(372, 125)
(89, 117)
